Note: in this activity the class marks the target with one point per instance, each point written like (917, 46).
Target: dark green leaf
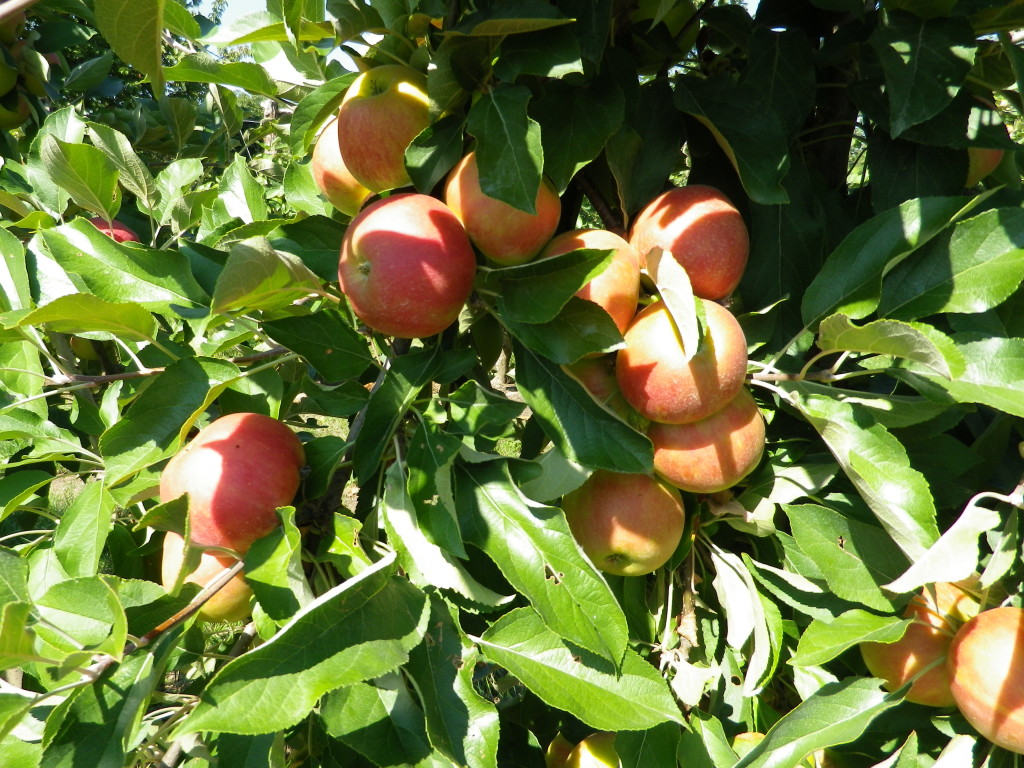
(83, 529)
(202, 68)
(134, 31)
(82, 312)
(256, 276)
(273, 568)
(580, 329)
(88, 175)
(537, 292)
(511, 19)
(327, 342)
(550, 53)
(434, 152)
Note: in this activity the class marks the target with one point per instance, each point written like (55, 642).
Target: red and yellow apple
(617, 289)
(936, 614)
(333, 178)
(230, 603)
(383, 110)
(981, 161)
(595, 751)
(714, 453)
(627, 524)
(658, 381)
(504, 234)
(705, 233)
(557, 752)
(118, 232)
(597, 375)
(985, 664)
(407, 266)
(237, 471)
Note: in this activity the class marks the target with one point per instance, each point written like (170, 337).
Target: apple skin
(236, 472)
(117, 231)
(14, 110)
(656, 380)
(503, 234)
(407, 266)
(627, 524)
(981, 161)
(712, 454)
(597, 375)
(986, 675)
(231, 603)
(333, 178)
(703, 230)
(382, 112)
(937, 613)
(595, 751)
(557, 752)
(617, 289)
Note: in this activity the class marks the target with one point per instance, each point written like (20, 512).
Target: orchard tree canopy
(427, 585)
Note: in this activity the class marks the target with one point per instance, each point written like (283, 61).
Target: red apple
(617, 289)
(595, 751)
(332, 176)
(597, 375)
(704, 232)
(236, 472)
(407, 266)
(986, 675)
(657, 381)
(115, 230)
(937, 612)
(382, 112)
(503, 234)
(981, 161)
(714, 453)
(230, 603)
(627, 524)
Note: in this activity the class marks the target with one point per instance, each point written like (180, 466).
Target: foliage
(437, 611)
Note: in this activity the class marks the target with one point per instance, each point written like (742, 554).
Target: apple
(11, 27)
(985, 664)
(655, 377)
(557, 752)
(617, 289)
(333, 178)
(237, 471)
(504, 234)
(627, 524)
(597, 375)
(382, 112)
(937, 612)
(8, 78)
(981, 161)
(595, 751)
(115, 230)
(407, 266)
(230, 603)
(744, 743)
(712, 454)
(14, 110)
(705, 233)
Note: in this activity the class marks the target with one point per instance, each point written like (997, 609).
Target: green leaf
(675, 290)
(655, 746)
(326, 341)
(134, 31)
(273, 568)
(14, 285)
(153, 427)
(16, 636)
(924, 61)
(88, 175)
(509, 155)
(314, 110)
(82, 614)
(203, 68)
(434, 152)
(461, 724)
(912, 341)
(581, 328)
(256, 276)
(512, 19)
(850, 282)
(823, 641)
(83, 529)
(356, 631)
(532, 546)
(430, 455)
(13, 575)
(550, 53)
(855, 558)
(978, 268)
(134, 174)
(836, 714)
(798, 591)
(632, 698)
(474, 408)
(537, 292)
(877, 464)
(84, 312)
(582, 430)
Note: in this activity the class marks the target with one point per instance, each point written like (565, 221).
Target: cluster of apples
(952, 654)
(236, 472)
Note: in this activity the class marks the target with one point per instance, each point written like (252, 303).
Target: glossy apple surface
(115, 230)
(627, 524)
(333, 178)
(658, 381)
(714, 453)
(617, 289)
(504, 234)
(230, 603)
(406, 266)
(936, 612)
(703, 230)
(595, 751)
(236, 472)
(382, 112)
(986, 675)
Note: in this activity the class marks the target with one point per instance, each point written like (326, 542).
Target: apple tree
(422, 600)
